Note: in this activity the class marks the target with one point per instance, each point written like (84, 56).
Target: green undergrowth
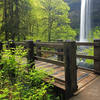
(18, 81)
(88, 52)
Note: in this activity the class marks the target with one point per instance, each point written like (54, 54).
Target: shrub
(17, 81)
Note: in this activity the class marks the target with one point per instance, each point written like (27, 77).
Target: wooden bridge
(69, 77)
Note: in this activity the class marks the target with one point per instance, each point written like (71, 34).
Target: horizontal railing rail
(66, 50)
(88, 57)
(50, 45)
(51, 52)
(60, 63)
(87, 44)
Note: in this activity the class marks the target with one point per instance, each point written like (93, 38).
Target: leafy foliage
(89, 51)
(47, 20)
(17, 81)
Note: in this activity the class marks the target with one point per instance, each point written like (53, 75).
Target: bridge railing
(66, 49)
(51, 45)
(95, 57)
(66, 52)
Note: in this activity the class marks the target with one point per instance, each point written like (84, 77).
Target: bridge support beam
(30, 55)
(60, 57)
(38, 49)
(70, 68)
(97, 54)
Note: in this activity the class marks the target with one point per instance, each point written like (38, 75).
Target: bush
(17, 81)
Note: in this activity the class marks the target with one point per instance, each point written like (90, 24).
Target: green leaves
(35, 19)
(19, 83)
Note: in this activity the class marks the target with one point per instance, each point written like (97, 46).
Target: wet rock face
(75, 7)
(96, 12)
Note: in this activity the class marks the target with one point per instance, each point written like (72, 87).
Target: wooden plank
(97, 54)
(70, 67)
(80, 74)
(87, 44)
(60, 82)
(84, 44)
(38, 48)
(58, 69)
(30, 54)
(60, 73)
(38, 62)
(51, 52)
(88, 57)
(50, 61)
(41, 65)
(59, 56)
(86, 69)
(50, 45)
(86, 80)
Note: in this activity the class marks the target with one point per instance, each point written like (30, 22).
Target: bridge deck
(83, 76)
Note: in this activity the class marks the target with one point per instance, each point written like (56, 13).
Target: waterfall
(85, 20)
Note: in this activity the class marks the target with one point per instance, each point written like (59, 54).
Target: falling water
(85, 23)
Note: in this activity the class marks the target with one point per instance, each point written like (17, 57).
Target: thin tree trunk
(5, 20)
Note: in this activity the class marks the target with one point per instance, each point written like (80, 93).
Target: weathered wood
(60, 57)
(50, 45)
(70, 68)
(51, 52)
(38, 48)
(97, 54)
(88, 57)
(30, 55)
(87, 44)
(50, 61)
(84, 68)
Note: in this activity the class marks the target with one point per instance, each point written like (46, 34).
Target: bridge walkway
(84, 77)
(90, 92)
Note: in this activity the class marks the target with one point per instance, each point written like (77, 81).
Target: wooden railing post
(97, 54)
(38, 48)
(60, 57)
(70, 68)
(1, 46)
(30, 54)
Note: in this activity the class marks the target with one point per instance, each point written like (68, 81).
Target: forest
(47, 20)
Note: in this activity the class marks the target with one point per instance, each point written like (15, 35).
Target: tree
(56, 19)
(94, 34)
(13, 12)
(31, 19)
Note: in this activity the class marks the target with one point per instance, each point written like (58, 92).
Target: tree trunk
(5, 20)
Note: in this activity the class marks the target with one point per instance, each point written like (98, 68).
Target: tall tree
(31, 19)
(12, 18)
(56, 18)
